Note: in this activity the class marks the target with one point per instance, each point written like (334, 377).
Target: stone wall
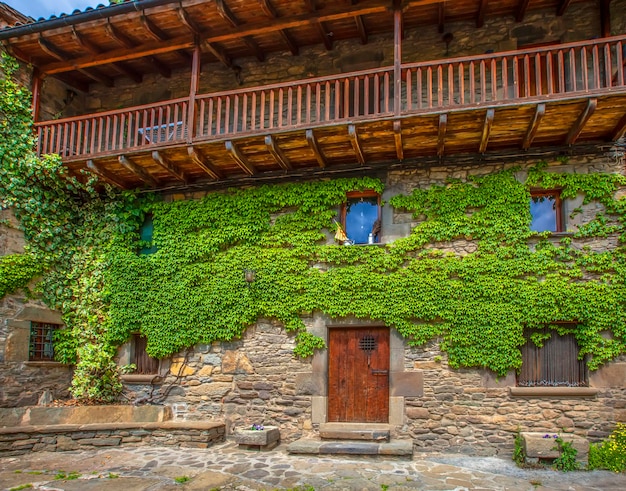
(581, 21)
(24, 382)
(59, 438)
(258, 380)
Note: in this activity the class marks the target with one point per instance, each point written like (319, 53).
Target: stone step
(355, 431)
(310, 446)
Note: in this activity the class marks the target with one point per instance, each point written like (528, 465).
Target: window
(545, 210)
(146, 232)
(41, 343)
(554, 364)
(145, 364)
(361, 217)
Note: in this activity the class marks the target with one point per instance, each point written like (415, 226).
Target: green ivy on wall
(192, 289)
(16, 271)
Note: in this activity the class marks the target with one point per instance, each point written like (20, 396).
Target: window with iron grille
(554, 364)
(144, 363)
(41, 344)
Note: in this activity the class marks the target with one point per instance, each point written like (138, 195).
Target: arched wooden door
(358, 375)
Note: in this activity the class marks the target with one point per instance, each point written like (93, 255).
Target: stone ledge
(18, 440)
(69, 428)
(553, 391)
(305, 446)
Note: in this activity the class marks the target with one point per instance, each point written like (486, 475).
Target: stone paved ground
(226, 467)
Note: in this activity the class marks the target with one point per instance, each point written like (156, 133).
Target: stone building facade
(257, 379)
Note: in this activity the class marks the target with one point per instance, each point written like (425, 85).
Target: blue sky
(46, 8)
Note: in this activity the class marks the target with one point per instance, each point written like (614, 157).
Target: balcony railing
(518, 77)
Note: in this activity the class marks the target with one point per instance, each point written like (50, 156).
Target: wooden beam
(441, 138)
(269, 10)
(277, 153)
(480, 16)
(317, 151)
(360, 26)
(124, 54)
(620, 129)
(397, 136)
(580, 123)
(226, 13)
(121, 39)
(254, 47)
(59, 54)
(521, 10)
(164, 162)
(239, 158)
(487, 125)
(86, 44)
(153, 30)
(104, 175)
(140, 172)
(36, 90)
(397, 61)
(562, 7)
(605, 18)
(540, 112)
(441, 18)
(158, 35)
(356, 144)
(201, 161)
(219, 53)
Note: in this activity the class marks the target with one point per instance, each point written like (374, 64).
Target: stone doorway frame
(402, 383)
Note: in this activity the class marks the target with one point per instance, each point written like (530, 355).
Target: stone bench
(542, 446)
(67, 430)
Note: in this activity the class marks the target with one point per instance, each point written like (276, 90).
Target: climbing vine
(192, 290)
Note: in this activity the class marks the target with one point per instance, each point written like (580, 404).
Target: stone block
(538, 445)
(406, 384)
(258, 438)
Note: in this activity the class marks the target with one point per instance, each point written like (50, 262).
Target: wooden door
(358, 375)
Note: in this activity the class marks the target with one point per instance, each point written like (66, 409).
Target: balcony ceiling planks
(249, 29)
(464, 133)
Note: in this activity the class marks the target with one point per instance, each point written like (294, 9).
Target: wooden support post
(484, 140)
(397, 136)
(277, 153)
(356, 144)
(441, 138)
(605, 18)
(104, 175)
(317, 151)
(397, 59)
(202, 162)
(240, 158)
(37, 81)
(580, 123)
(140, 172)
(540, 112)
(166, 164)
(193, 91)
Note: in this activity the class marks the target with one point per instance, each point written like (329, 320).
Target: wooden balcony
(552, 96)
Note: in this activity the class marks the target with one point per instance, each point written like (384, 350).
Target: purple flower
(257, 427)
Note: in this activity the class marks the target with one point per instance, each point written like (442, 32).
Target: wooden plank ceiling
(135, 38)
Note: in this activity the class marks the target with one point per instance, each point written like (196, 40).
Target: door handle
(380, 372)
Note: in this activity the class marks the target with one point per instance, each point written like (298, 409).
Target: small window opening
(545, 210)
(554, 364)
(41, 343)
(146, 232)
(144, 363)
(361, 217)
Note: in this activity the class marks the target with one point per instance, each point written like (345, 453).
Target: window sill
(47, 364)
(553, 391)
(131, 378)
